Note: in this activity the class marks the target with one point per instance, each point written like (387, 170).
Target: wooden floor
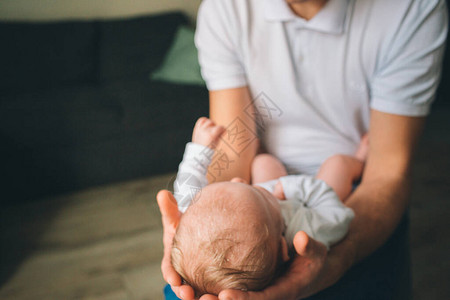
(105, 242)
(102, 243)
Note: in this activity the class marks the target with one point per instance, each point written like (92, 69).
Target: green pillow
(181, 62)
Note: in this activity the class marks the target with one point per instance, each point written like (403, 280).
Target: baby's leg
(266, 167)
(363, 149)
(339, 172)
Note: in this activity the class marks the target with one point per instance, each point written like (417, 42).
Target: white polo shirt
(314, 82)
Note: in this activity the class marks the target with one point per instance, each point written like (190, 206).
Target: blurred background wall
(45, 10)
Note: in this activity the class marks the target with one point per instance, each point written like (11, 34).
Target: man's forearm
(383, 195)
(234, 154)
(228, 164)
(379, 206)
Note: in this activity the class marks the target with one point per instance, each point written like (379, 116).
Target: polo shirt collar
(330, 19)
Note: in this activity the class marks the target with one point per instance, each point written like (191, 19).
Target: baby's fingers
(217, 131)
(206, 122)
(201, 121)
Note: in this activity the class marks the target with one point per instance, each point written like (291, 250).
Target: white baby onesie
(313, 207)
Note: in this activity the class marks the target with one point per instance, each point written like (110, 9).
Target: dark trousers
(386, 274)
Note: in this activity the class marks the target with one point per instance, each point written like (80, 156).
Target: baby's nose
(238, 179)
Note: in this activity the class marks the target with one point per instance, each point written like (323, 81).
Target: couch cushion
(150, 106)
(181, 62)
(68, 138)
(87, 115)
(134, 47)
(68, 116)
(40, 55)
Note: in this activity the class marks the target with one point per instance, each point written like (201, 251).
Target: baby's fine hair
(210, 266)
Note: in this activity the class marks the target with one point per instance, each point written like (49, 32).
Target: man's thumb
(167, 204)
(308, 247)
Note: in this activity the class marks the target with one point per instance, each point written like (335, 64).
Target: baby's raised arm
(191, 176)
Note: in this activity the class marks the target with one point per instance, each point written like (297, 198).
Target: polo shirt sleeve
(409, 68)
(216, 39)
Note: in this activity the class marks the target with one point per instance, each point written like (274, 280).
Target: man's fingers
(280, 290)
(168, 206)
(176, 290)
(183, 292)
(166, 201)
(233, 295)
(170, 218)
(208, 297)
(302, 271)
(186, 292)
(169, 273)
(308, 247)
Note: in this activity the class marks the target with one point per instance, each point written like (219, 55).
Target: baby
(233, 235)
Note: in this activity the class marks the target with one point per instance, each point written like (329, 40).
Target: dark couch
(77, 108)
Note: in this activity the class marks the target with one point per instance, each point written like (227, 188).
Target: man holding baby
(304, 80)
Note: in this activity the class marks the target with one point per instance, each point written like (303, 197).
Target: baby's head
(231, 237)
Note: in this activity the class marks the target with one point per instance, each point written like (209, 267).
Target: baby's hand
(278, 191)
(207, 133)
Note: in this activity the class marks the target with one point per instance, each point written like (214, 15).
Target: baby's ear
(284, 249)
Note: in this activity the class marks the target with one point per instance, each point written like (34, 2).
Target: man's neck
(306, 9)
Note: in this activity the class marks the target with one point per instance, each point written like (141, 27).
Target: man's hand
(170, 219)
(299, 281)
